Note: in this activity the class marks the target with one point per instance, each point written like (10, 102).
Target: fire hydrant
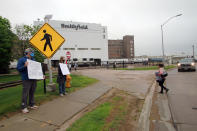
(68, 80)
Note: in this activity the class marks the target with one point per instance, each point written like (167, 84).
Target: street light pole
(162, 44)
(162, 34)
(193, 50)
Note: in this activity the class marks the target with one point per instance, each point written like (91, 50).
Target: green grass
(170, 67)
(79, 81)
(11, 78)
(114, 110)
(147, 68)
(10, 98)
(120, 108)
(92, 121)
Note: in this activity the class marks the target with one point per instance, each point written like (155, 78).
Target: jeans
(161, 85)
(62, 88)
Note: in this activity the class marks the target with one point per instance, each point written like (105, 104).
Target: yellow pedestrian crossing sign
(47, 40)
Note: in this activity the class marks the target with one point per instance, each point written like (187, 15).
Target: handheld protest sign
(34, 70)
(64, 69)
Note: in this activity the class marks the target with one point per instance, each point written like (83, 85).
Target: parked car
(186, 64)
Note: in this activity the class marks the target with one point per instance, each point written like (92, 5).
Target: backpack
(165, 74)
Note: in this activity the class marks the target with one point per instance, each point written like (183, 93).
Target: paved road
(183, 99)
(135, 82)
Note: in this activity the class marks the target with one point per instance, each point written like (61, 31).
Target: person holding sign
(29, 85)
(61, 78)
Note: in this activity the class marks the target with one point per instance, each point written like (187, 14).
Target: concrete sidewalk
(161, 119)
(53, 114)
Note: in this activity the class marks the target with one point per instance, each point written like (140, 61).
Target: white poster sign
(34, 70)
(64, 69)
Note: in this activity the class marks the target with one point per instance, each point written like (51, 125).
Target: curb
(144, 122)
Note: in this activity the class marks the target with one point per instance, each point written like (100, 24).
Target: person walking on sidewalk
(160, 78)
(75, 66)
(69, 66)
(114, 65)
(29, 85)
(61, 79)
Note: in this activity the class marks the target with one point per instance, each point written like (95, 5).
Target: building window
(91, 59)
(84, 59)
(131, 42)
(103, 36)
(95, 48)
(82, 48)
(75, 59)
(69, 48)
(103, 30)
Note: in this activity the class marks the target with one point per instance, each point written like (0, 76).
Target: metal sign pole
(51, 86)
(50, 71)
(44, 37)
(44, 80)
(49, 61)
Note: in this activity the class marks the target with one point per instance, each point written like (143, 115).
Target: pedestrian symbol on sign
(48, 39)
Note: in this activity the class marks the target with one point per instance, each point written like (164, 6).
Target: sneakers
(61, 95)
(25, 110)
(34, 107)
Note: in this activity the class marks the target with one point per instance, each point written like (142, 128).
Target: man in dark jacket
(29, 85)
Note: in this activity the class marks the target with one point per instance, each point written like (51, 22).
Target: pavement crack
(46, 122)
(78, 101)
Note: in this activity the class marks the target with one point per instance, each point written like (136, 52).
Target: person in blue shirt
(29, 85)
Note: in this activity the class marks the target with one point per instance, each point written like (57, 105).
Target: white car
(186, 64)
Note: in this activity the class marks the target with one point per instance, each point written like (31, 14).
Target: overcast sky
(141, 18)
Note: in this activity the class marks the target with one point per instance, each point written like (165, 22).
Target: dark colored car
(186, 64)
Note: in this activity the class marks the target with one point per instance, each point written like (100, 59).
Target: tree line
(13, 43)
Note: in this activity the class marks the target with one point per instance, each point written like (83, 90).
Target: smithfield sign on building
(76, 27)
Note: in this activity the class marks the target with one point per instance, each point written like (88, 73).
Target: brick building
(121, 49)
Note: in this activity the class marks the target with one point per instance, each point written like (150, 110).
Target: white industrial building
(85, 41)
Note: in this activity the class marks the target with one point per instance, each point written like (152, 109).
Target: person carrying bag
(161, 77)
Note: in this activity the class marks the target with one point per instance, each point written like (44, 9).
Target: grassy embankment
(10, 98)
(113, 115)
(96, 119)
(147, 68)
